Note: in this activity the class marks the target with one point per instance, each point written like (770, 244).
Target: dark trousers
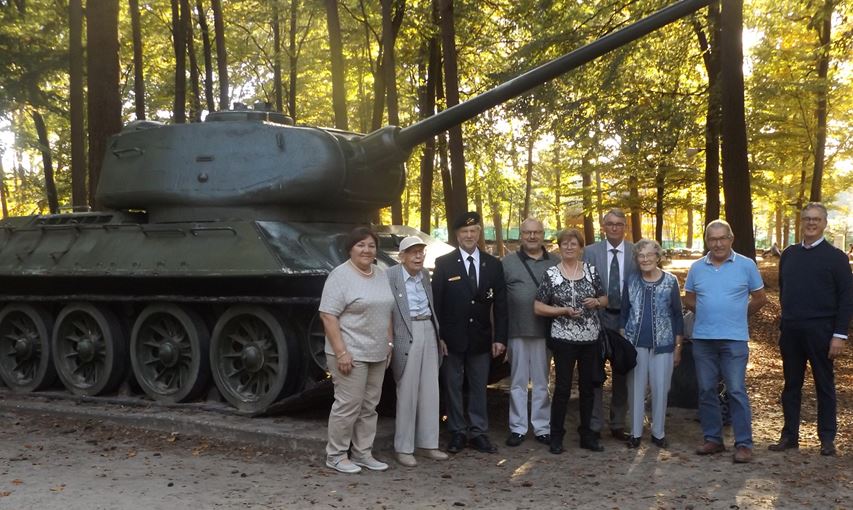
(457, 369)
(803, 341)
(566, 355)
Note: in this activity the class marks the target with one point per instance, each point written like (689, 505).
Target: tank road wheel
(250, 357)
(89, 349)
(168, 352)
(317, 342)
(25, 361)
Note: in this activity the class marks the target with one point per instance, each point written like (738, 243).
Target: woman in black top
(570, 294)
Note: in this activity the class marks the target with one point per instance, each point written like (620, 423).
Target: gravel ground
(57, 462)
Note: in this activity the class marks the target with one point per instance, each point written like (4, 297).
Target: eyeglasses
(647, 256)
(812, 219)
(715, 240)
(614, 225)
(531, 232)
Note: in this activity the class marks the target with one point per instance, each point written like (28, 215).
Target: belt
(424, 317)
(613, 310)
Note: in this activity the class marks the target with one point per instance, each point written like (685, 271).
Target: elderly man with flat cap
(469, 291)
(417, 356)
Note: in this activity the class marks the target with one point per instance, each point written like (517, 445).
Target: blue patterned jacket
(667, 318)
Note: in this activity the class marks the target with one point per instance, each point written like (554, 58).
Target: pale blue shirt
(415, 293)
(722, 296)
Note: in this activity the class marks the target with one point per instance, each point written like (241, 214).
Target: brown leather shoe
(710, 448)
(742, 455)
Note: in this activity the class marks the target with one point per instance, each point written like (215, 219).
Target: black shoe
(591, 444)
(556, 447)
(481, 443)
(660, 443)
(514, 439)
(619, 434)
(828, 449)
(544, 439)
(634, 442)
(457, 443)
(785, 443)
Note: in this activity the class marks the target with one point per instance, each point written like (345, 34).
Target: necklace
(571, 274)
(363, 273)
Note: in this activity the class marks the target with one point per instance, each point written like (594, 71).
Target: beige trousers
(417, 393)
(353, 416)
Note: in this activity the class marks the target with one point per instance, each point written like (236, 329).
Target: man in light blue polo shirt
(724, 288)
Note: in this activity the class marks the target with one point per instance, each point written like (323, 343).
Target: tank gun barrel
(407, 138)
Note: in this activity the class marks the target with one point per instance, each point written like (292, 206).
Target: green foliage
(633, 113)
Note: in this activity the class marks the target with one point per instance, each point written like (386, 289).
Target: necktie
(614, 297)
(472, 271)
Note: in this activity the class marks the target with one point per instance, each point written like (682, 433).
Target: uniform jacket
(465, 313)
(402, 318)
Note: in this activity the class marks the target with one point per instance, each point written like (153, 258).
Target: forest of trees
(689, 124)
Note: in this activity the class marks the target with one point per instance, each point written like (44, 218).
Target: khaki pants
(353, 416)
(417, 422)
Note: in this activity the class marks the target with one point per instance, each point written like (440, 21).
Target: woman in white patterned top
(356, 312)
(570, 294)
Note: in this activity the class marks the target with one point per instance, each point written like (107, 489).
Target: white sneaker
(406, 459)
(432, 453)
(370, 463)
(343, 465)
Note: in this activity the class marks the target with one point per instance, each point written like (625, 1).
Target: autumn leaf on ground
(58, 488)
(3, 494)
(17, 482)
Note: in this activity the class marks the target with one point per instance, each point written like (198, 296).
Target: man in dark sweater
(816, 293)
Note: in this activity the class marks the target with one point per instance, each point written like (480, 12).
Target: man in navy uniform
(469, 290)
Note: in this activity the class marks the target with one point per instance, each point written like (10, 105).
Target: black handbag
(617, 349)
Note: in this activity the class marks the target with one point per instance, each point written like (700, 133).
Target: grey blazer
(402, 319)
(596, 254)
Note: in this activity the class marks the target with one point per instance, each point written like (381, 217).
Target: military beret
(466, 220)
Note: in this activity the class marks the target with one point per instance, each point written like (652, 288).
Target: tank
(202, 272)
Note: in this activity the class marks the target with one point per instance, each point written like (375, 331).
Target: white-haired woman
(652, 321)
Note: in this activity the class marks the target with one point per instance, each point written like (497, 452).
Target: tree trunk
(3, 202)
(586, 193)
(208, 56)
(179, 115)
(636, 216)
(801, 197)
(711, 56)
(195, 99)
(47, 163)
(389, 37)
(77, 106)
(599, 197)
(736, 180)
(446, 186)
(451, 84)
(786, 233)
(138, 77)
(778, 225)
(339, 93)
(427, 108)
(278, 88)
(293, 59)
(825, 35)
(221, 53)
(104, 107)
(558, 187)
(660, 183)
(690, 221)
(528, 174)
(500, 249)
